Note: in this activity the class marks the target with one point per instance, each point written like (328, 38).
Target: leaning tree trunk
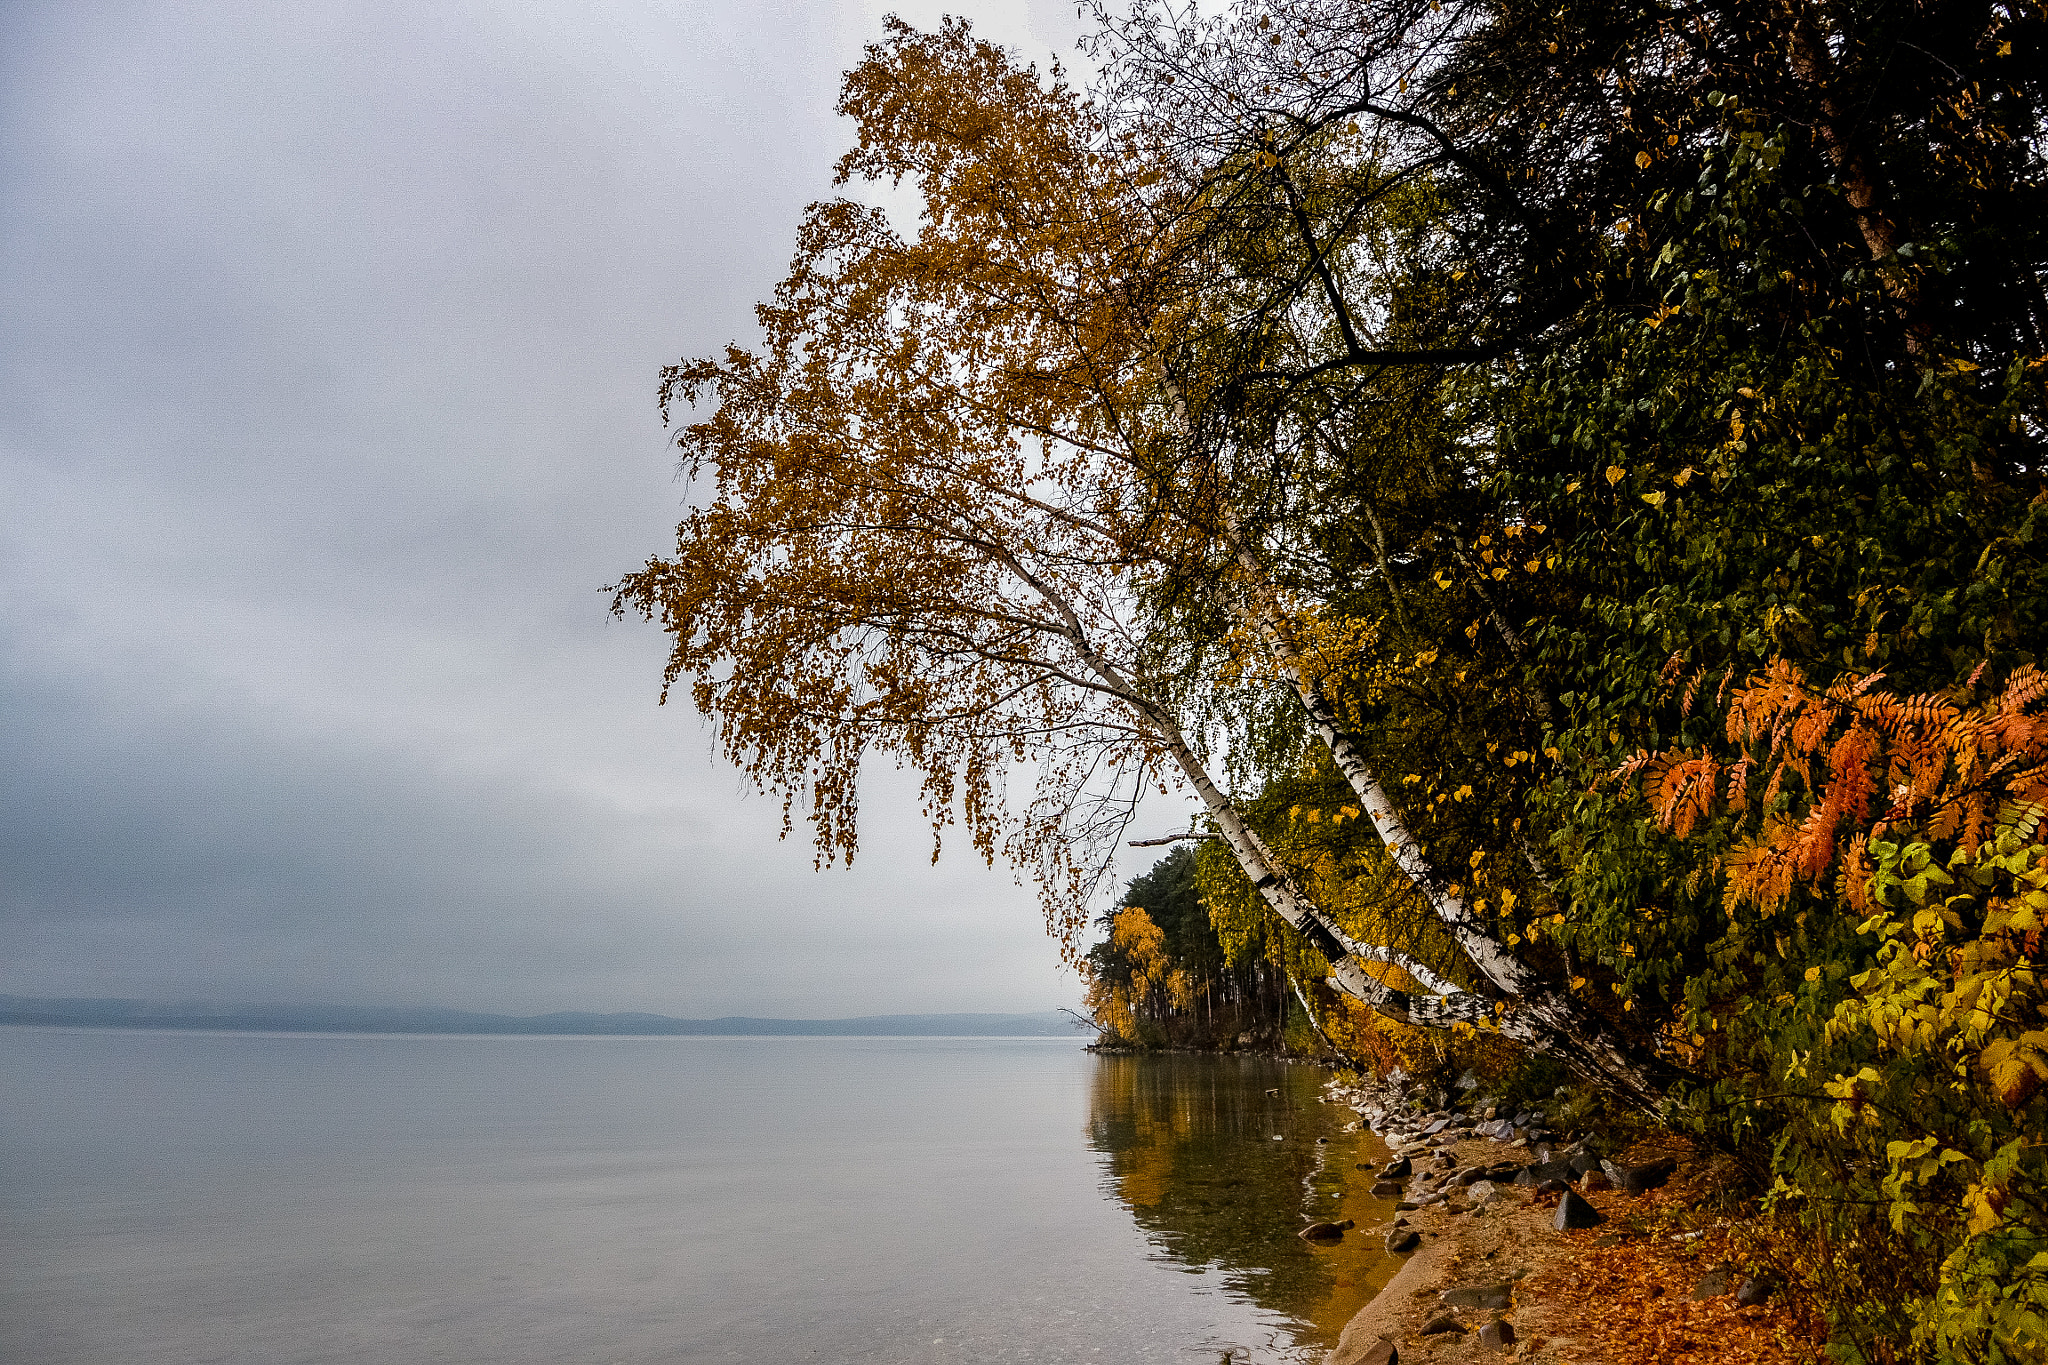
(1534, 1011)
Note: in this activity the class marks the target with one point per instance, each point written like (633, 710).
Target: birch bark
(1538, 1015)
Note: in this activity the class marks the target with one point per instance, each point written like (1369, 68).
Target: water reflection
(1221, 1175)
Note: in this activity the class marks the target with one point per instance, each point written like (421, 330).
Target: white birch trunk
(1280, 891)
(1542, 1016)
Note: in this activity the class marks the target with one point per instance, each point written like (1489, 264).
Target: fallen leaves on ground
(1632, 1304)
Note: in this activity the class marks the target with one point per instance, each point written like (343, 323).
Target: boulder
(1441, 1323)
(1325, 1232)
(1388, 1189)
(1542, 1171)
(1403, 1240)
(1396, 1169)
(1483, 1192)
(1595, 1180)
(1498, 1335)
(1381, 1352)
(1471, 1175)
(1574, 1212)
(1714, 1283)
(1638, 1179)
(1553, 1186)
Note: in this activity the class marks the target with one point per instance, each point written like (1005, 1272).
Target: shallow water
(290, 1199)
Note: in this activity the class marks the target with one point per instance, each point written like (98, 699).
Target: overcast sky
(329, 356)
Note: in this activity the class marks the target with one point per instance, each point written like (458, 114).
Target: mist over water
(186, 1197)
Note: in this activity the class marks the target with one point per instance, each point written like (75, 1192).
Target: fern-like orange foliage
(1855, 761)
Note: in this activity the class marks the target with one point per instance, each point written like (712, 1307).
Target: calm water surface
(283, 1200)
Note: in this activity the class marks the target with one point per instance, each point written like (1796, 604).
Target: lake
(290, 1199)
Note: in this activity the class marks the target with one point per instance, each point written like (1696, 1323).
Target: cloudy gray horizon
(330, 358)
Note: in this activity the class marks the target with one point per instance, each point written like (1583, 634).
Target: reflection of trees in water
(1189, 1142)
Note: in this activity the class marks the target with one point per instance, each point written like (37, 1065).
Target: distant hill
(20, 1009)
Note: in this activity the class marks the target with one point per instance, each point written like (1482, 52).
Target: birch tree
(955, 499)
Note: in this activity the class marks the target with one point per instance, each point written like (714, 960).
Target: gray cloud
(329, 350)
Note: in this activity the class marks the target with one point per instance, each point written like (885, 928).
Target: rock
(1274, 1091)
(1441, 1323)
(1638, 1179)
(1553, 1186)
(1490, 1296)
(1612, 1239)
(1754, 1290)
(1388, 1189)
(1471, 1175)
(1396, 1169)
(1491, 1113)
(1437, 1127)
(1714, 1283)
(1499, 1334)
(1320, 1141)
(1574, 1212)
(1381, 1352)
(1407, 1206)
(1595, 1180)
(1484, 1192)
(1582, 1161)
(1544, 1170)
(1325, 1232)
(1403, 1240)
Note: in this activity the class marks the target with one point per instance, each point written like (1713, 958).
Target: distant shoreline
(371, 1019)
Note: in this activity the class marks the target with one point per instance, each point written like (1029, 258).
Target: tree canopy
(1533, 475)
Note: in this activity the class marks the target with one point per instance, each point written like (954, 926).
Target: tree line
(1559, 489)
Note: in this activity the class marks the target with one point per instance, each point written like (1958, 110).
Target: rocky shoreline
(1503, 1214)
